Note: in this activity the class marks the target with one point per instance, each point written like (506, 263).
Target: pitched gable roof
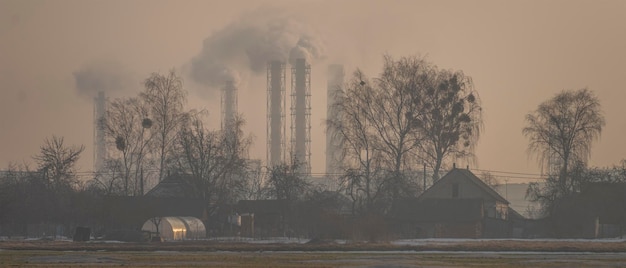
(172, 186)
(514, 215)
(437, 210)
(469, 176)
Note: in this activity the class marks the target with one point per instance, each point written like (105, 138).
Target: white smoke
(106, 76)
(307, 48)
(247, 45)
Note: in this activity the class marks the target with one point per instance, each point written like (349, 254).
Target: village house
(459, 205)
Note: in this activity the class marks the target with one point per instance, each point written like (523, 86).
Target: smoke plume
(247, 45)
(307, 48)
(107, 76)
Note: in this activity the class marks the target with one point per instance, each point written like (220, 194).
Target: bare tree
(157, 222)
(216, 160)
(377, 141)
(357, 155)
(255, 183)
(143, 130)
(50, 192)
(561, 132)
(449, 118)
(285, 182)
(615, 174)
(391, 118)
(110, 180)
(58, 162)
(166, 98)
(413, 113)
(127, 131)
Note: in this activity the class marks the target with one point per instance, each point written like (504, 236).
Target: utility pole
(506, 188)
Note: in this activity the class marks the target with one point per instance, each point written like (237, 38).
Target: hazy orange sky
(519, 53)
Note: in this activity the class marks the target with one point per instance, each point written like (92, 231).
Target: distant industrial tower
(276, 103)
(99, 152)
(301, 114)
(333, 141)
(229, 105)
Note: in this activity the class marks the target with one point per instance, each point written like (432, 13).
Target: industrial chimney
(333, 141)
(301, 114)
(275, 113)
(99, 110)
(229, 105)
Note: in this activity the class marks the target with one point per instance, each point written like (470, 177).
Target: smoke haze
(106, 76)
(246, 46)
(518, 53)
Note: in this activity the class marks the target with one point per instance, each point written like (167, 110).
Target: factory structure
(229, 105)
(285, 146)
(299, 148)
(301, 114)
(100, 151)
(288, 139)
(276, 103)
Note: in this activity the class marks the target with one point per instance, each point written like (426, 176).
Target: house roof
(514, 215)
(135, 210)
(468, 175)
(262, 206)
(438, 210)
(172, 186)
(329, 200)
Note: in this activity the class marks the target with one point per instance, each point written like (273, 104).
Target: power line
(498, 173)
(510, 172)
(515, 175)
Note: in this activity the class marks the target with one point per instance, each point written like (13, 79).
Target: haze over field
(55, 54)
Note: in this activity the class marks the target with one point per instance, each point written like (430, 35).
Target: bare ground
(495, 245)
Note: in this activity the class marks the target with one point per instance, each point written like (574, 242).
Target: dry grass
(488, 253)
(299, 259)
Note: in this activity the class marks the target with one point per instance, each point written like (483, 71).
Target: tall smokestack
(229, 105)
(100, 153)
(275, 113)
(301, 114)
(333, 141)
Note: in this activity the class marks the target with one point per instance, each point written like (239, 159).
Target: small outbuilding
(176, 228)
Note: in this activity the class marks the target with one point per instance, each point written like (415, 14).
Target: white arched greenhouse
(176, 228)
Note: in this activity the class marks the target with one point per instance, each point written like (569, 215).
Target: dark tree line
(390, 127)
(148, 136)
(50, 193)
(410, 116)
